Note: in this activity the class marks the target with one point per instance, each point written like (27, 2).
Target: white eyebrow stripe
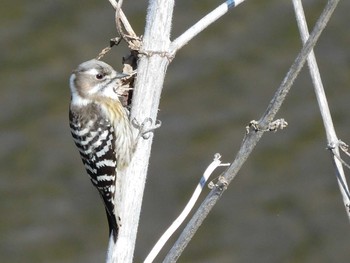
(93, 71)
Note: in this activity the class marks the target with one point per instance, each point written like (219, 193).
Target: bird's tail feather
(113, 226)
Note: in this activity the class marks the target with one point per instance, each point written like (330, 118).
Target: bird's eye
(99, 76)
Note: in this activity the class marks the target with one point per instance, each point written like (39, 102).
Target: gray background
(284, 206)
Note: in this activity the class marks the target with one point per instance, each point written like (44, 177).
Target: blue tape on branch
(230, 3)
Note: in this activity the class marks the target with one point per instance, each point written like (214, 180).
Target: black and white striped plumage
(101, 129)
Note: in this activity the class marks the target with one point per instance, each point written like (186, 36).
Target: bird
(101, 130)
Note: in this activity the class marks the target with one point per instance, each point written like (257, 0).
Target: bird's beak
(121, 75)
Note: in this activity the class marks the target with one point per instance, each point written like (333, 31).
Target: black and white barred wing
(95, 139)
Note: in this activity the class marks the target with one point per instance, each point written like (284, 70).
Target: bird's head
(93, 80)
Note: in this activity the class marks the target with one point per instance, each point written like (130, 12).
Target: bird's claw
(146, 128)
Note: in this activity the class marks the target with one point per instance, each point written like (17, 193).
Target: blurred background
(284, 206)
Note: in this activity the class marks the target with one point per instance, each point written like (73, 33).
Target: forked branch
(323, 105)
(252, 138)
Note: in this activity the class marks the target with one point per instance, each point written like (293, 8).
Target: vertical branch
(323, 104)
(151, 72)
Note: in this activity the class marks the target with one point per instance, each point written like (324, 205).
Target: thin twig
(344, 147)
(323, 105)
(121, 21)
(251, 139)
(344, 163)
(114, 3)
(202, 24)
(179, 220)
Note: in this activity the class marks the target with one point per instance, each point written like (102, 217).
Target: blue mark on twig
(230, 3)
